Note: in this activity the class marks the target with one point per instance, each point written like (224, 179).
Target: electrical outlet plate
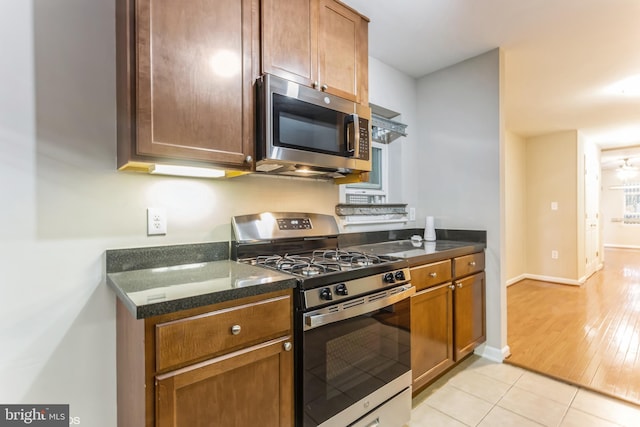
(156, 221)
(554, 254)
(412, 214)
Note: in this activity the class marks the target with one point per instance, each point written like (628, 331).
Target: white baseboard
(551, 279)
(493, 353)
(612, 245)
(516, 279)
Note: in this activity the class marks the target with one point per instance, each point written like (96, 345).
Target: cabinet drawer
(429, 275)
(195, 338)
(468, 264)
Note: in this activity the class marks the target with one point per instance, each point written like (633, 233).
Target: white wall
(515, 207)
(553, 174)
(394, 90)
(459, 164)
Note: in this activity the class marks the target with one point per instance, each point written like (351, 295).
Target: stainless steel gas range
(352, 314)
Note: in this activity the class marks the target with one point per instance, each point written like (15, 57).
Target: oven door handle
(314, 320)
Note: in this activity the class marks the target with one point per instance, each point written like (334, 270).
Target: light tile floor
(482, 393)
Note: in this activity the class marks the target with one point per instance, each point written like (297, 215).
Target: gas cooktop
(321, 262)
(304, 245)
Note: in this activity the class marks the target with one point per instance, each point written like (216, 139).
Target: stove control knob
(400, 275)
(388, 278)
(325, 294)
(341, 289)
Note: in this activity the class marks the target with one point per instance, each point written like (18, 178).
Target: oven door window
(347, 360)
(304, 126)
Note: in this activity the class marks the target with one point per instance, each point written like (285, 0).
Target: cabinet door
(194, 75)
(469, 309)
(342, 51)
(289, 40)
(252, 387)
(431, 333)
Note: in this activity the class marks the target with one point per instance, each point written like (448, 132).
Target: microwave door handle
(353, 135)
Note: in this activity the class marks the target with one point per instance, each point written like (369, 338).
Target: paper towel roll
(429, 230)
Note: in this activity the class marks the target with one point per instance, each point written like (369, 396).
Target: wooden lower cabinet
(228, 364)
(247, 388)
(469, 314)
(447, 319)
(431, 333)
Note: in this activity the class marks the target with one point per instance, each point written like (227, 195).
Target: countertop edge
(166, 307)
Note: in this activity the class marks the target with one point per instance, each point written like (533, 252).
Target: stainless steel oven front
(355, 359)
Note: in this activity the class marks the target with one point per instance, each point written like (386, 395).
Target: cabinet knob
(472, 263)
(324, 87)
(287, 346)
(235, 329)
(248, 159)
(433, 274)
(459, 284)
(315, 85)
(452, 287)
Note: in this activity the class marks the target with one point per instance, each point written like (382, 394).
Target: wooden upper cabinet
(185, 74)
(289, 40)
(317, 43)
(342, 51)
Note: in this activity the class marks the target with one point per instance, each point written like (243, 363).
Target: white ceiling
(561, 56)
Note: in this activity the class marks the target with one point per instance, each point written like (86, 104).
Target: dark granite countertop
(418, 253)
(161, 290)
(158, 280)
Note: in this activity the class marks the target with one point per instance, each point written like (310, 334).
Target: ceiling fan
(626, 171)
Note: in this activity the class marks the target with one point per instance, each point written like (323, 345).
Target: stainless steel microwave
(302, 131)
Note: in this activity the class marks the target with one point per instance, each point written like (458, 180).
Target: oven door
(356, 355)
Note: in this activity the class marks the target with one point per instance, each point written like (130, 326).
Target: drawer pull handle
(433, 274)
(235, 329)
(287, 346)
(472, 263)
(374, 423)
(459, 284)
(452, 287)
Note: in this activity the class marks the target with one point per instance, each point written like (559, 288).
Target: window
(374, 190)
(632, 203)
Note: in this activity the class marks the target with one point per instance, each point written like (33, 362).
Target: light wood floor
(587, 335)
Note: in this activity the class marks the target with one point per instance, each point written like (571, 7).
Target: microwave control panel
(364, 138)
